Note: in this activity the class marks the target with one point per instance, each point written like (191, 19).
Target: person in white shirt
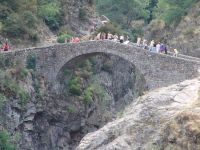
(121, 39)
(158, 48)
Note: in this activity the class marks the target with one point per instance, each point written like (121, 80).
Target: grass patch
(88, 95)
(75, 86)
(94, 89)
(5, 62)
(11, 88)
(2, 101)
(71, 109)
(23, 73)
(62, 38)
(31, 61)
(5, 141)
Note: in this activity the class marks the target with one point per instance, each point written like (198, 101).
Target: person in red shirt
(77, 40)
(5, 46)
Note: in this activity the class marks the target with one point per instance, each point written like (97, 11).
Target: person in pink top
(76, 40)
(5, 46)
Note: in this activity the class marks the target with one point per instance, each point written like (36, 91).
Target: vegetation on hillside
(123, 12)
(20, 18)
(6, 141)
(127, 12)
(171, 11)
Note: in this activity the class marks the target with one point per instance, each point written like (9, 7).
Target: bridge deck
(170, 54)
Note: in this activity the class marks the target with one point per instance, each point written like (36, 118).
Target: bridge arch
(158, 70)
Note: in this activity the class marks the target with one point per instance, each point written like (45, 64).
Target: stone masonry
(158, 69)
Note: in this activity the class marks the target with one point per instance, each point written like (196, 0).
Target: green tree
(171, 11)
(51, 14)
(124, 12)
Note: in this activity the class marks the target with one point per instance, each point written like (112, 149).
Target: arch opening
(96, 88)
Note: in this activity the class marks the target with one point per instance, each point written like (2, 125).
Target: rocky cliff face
(90, 94)
(166, 118)
(80, 15)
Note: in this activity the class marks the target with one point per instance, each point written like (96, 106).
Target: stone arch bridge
(158, 70)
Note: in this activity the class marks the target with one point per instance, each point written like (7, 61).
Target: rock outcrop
(80, 16)
(164, 118)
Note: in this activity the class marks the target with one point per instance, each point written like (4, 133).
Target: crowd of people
(75, 40)
(153, 46)
(113, 37)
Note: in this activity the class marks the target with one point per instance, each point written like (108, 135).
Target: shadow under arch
(124, 76)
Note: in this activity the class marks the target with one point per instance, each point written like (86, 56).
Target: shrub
(9, 84)
(111, 27)
(8, 62)
(2, 62)
(29, 19)
(52, 22)
(31, 61)
(5, 62)
(5, 141)
(51, 14)
(135, 32)
(71, 109)
(88, 95)
(99, 90)
(86, 74)
(23, 73)
(11, 88)
(172, 11)
(19, 25)
(173, 16)
(65, 30)
(91, 90)
(33, 36)
(61, 38)
(5, 11)
(24, 96)
(75, 86)
(86, 65)
(2, 101)
(13, 26)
